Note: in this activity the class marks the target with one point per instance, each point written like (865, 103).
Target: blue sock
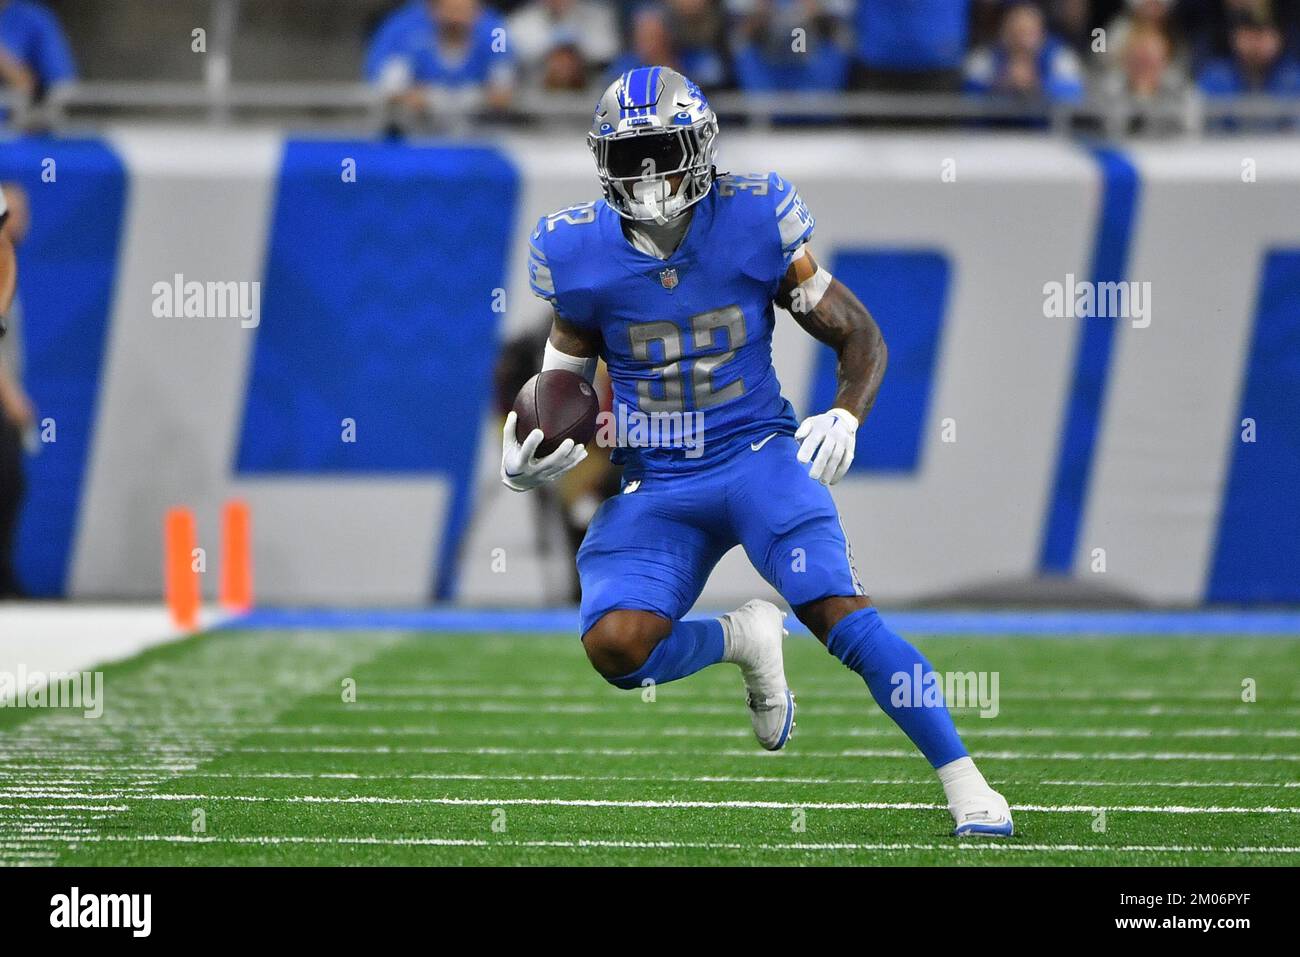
(690, 646)
(866, 646)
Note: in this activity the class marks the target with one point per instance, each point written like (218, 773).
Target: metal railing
(361, 108)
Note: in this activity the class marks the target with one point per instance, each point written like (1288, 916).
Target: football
(560, 403)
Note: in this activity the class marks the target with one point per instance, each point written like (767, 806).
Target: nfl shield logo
(668, 278)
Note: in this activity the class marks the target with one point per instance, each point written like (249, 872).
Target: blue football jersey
(687, 340)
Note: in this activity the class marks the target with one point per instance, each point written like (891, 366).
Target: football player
(671, 279)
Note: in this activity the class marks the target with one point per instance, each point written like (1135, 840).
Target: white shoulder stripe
(796, 224)
(539, 277)
(539, 273)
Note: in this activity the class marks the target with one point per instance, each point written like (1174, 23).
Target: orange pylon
(236, 557)
(180, 579)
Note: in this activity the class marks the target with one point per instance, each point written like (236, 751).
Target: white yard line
(142, 781)
(753, 753)
(991, 846)
(1174, 784)
(648, 803)
(199, 744)
(616, 707)
(967, 731)
(64, 807)
(1010, 698)
(762, 755)
(594, 688)
(106, 767)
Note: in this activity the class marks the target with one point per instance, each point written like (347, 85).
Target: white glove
(520, 471)
(830, 438)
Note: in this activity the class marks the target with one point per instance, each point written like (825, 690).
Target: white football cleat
(982, 815)
(753, 634)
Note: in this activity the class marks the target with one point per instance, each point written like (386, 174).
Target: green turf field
(481, 749)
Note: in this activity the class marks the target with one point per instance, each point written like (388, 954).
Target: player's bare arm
(8, 273)
(571, 340)
(838, 318)
(832, 314)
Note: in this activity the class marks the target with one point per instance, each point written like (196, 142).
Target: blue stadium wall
(1162, 460)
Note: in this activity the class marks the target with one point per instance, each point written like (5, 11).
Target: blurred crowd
(1053, 49)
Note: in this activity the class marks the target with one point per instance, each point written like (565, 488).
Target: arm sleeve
(540, 279)
(558, 263)
(795, 224)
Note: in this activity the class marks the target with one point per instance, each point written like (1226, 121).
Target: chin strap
(656, 212)
(649, 195)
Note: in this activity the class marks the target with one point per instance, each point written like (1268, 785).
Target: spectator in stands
(1208, 24)
(651, 43)
(699, 28)
(684, 37)
(442, 45)
(544, 28)
(910, 45)
(1259, 63)
(17, 415)
(563, 67)
(1141, 15)
(34, 53)
(984, 22)
(1147, 62)
(789, 46)
(1026, 60)
(1071, 20)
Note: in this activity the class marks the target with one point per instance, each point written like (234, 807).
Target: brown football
(560, 403)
